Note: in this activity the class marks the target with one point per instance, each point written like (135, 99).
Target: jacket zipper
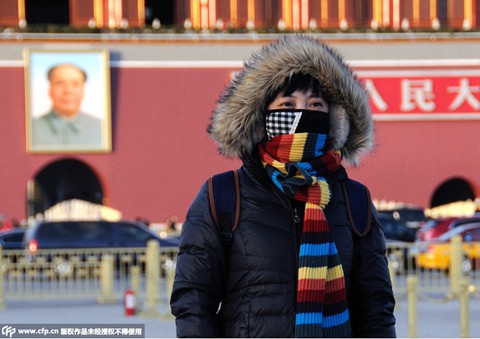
(297, 238)
(296, 217)
(297, 232)
(296, 220)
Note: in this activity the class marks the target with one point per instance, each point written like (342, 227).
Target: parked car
(396, 229)
(436, 254)
(85, 235)
(91, 234)
(434, 228)
(12, 239)
(400, 227)
(412, 216)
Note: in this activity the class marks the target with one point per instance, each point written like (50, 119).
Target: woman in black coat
(296, 267)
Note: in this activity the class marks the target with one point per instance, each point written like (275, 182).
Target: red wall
(162, 154)
(413, 158)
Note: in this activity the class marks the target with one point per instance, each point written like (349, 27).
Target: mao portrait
(68, 102)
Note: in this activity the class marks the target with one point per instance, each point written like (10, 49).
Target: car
(12, 239)
(435, 254)
(91, 234)
(400, 226)
(434, 228)
(411, 215)
(396, 229)
(11, 242)
(88, 239)
(398, 237)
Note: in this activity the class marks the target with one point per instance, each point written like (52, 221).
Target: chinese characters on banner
(423, 93)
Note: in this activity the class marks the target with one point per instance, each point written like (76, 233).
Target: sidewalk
(434, 320)
(82, 312)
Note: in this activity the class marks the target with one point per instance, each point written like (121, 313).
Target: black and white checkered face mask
(293, 121)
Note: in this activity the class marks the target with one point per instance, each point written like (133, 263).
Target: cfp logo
(8, 331)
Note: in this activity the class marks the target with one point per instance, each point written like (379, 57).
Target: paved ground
(434, 320)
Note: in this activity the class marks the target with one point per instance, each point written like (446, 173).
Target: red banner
(423, 92)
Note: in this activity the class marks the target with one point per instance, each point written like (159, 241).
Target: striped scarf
(297, 164)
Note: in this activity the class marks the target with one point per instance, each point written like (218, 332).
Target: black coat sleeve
(198, 284)
(373, 299)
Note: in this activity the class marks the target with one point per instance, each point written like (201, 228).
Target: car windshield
(16, 237)
(132, 235)
(89, 232)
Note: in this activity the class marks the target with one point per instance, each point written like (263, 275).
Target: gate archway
(452, 190)
(61, 180)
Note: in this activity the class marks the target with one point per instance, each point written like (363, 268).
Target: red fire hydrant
(129, 302)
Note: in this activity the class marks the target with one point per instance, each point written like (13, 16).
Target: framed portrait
(68, 101)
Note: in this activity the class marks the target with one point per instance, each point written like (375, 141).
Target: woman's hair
(297, 82)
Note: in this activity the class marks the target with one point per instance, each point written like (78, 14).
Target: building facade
(248, 14)
(425, 97)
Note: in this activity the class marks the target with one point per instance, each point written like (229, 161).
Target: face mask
(293, 121)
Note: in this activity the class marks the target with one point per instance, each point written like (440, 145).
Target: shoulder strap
(224, 193)
(359, 206)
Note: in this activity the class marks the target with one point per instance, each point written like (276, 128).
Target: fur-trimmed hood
(238, 123)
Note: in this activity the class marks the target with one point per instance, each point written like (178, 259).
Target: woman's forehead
(301, 93)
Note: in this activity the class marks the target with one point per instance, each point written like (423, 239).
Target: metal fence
(105, 274)
(436, 273)
(84, 273)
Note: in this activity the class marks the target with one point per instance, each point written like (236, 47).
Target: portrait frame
(49, 129)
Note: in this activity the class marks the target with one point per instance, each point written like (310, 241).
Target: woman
(295, 266)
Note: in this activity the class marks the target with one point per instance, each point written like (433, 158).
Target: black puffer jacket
(257, 288)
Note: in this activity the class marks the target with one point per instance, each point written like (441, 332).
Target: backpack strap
(359, 206)
(224, 194)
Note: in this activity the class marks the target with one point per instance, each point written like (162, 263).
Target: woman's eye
(286, 104)
(319, 105)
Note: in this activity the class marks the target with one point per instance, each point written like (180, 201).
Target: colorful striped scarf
(297, 164)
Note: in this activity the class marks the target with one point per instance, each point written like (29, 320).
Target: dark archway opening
(456, 189)
(47, 12)
(64, 180)
(163, 10)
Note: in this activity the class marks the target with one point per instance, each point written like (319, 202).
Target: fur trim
(238, 123)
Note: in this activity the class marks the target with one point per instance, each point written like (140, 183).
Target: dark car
(400, 227)
(91, 234)
(436, 227)
(12, 242)
(396, 229)
(398, 236)
(12, 239)
(402, 223)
